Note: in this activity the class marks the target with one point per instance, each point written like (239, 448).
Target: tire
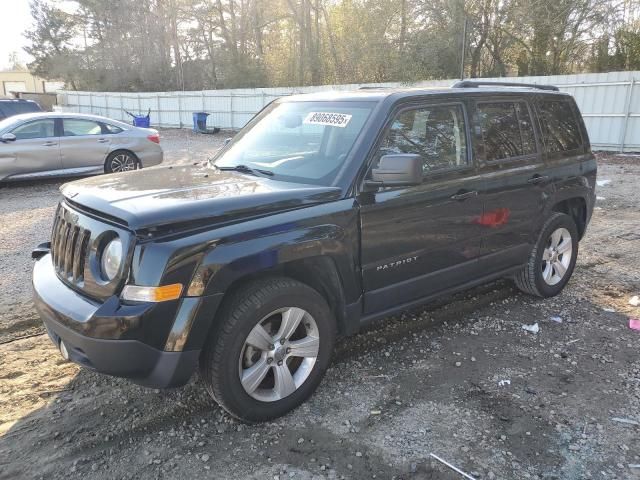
(117, 161)
(230, 353)
(548, 269)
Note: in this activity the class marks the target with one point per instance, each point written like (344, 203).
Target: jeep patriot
(325, 212)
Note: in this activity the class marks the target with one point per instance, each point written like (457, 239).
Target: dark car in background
(326, 212)
(11, 107)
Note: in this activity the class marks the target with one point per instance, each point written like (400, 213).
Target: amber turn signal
(164, 293)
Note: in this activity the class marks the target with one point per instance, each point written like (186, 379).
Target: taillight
(155, 138)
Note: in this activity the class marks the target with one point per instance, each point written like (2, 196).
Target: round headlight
(111, 259)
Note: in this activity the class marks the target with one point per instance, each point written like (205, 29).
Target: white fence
(610, 104)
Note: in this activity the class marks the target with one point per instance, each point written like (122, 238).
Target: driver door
(424, 239)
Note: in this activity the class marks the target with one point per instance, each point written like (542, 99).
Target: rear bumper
(70, 318)
(149, 158)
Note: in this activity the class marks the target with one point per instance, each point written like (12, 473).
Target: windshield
(304, 142)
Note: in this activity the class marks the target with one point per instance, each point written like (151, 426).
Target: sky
(15, 18)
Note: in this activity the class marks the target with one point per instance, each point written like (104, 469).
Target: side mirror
(227, 141)
(403, 169)
(8, 137)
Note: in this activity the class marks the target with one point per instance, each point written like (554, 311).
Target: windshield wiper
(246, 169)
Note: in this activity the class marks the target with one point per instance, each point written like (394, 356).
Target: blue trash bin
(143, 122)
(200, 122)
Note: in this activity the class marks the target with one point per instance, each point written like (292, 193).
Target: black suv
(325, 212)
(10, 107)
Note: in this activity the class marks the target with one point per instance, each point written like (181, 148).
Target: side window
(559, 126)
(75, 127)
(507, 130)
(37, 129)
(437, 133)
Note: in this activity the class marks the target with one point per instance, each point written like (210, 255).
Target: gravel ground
(459, 378)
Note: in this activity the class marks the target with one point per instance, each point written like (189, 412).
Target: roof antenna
(464, 49)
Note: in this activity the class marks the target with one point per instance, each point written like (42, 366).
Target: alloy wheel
(123, 163)
(279, 354)
(556, 256)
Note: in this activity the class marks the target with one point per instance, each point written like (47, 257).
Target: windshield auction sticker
(327, 118)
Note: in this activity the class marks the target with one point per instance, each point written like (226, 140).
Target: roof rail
(481, 83)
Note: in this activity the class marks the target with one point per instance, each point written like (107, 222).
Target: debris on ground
(556, 319)
(455, 469)
(635, 301)
(603, 182)
(503, 383)
(625, 420)
(634, 324)
(531, 328)
(608, 309)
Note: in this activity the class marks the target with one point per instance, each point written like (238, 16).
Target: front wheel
(553, 258)
(270, 350)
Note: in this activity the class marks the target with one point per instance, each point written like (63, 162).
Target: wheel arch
(318, 272)
(576, 208)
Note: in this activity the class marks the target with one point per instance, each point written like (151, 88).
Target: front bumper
(76, 320)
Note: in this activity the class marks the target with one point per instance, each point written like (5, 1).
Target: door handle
(538, 179)
(103, 140)
(464, 195)
(50, 144)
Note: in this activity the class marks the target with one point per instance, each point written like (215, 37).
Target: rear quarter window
(111, 129)
(559, 125)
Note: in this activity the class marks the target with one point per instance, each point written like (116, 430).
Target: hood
(186, 194)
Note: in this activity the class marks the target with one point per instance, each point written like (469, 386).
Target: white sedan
(59, 144)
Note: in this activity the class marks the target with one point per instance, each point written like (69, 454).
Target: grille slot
(69, 244)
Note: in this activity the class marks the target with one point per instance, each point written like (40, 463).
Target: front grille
(69, 243)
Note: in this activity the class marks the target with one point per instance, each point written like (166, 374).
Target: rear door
(84, 143)
(571, 164)
(36, 149)
(420, 240)
(516, 181)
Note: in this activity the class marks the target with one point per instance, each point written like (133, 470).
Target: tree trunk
(332, 47)
(403, 25)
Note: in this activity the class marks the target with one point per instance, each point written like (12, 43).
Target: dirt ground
(459, 378)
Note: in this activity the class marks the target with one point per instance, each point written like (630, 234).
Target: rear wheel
(553, 258)
(121, 161)
(271, 349)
